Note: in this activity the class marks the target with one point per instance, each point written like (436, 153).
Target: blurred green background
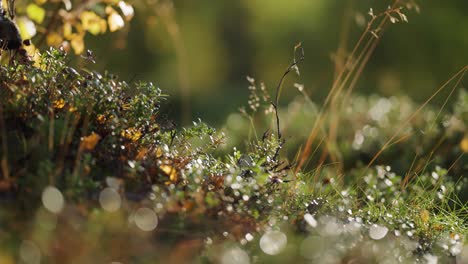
(207, 48)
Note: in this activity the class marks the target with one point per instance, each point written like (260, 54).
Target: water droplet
(110, 200)
(388, 182)
(273, 242)
(235, 255)
(378, 232)
(52, 199)
(310, 220)
(146, 219)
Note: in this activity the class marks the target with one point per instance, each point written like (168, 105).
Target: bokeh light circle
(146, 219)
(235, 255)
(273, 242)
(110, 199)
(52, 199)
(29, 252)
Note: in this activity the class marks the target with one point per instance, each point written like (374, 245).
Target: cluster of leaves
(60, 122)
(66, 23)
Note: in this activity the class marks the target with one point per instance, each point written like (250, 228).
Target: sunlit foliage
(66, 23)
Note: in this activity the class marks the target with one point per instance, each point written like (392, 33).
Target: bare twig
(292, 66)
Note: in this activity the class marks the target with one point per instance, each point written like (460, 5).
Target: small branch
(292, 66)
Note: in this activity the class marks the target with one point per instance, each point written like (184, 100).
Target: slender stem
(280, 84)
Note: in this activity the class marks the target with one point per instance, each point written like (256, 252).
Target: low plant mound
(92, 171)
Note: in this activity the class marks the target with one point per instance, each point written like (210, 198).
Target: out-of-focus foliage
(224, 41)
(66, 23)
(366, 124)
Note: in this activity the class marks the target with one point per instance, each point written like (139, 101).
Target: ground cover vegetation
(94, 171)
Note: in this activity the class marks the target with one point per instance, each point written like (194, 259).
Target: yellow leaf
(36, 13)
(67, 31)
(141, 154)
(464, 144)
(169, 171)
(58, 104)
(127, 10)
(93, 23)
(54, 39)
(34, 54)
(424, 214)
(126, 106)
(90, 142)
(131, 133)
(77, 43)
(101, 119)
(26, 27)
(115, 22)
(159, 153)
